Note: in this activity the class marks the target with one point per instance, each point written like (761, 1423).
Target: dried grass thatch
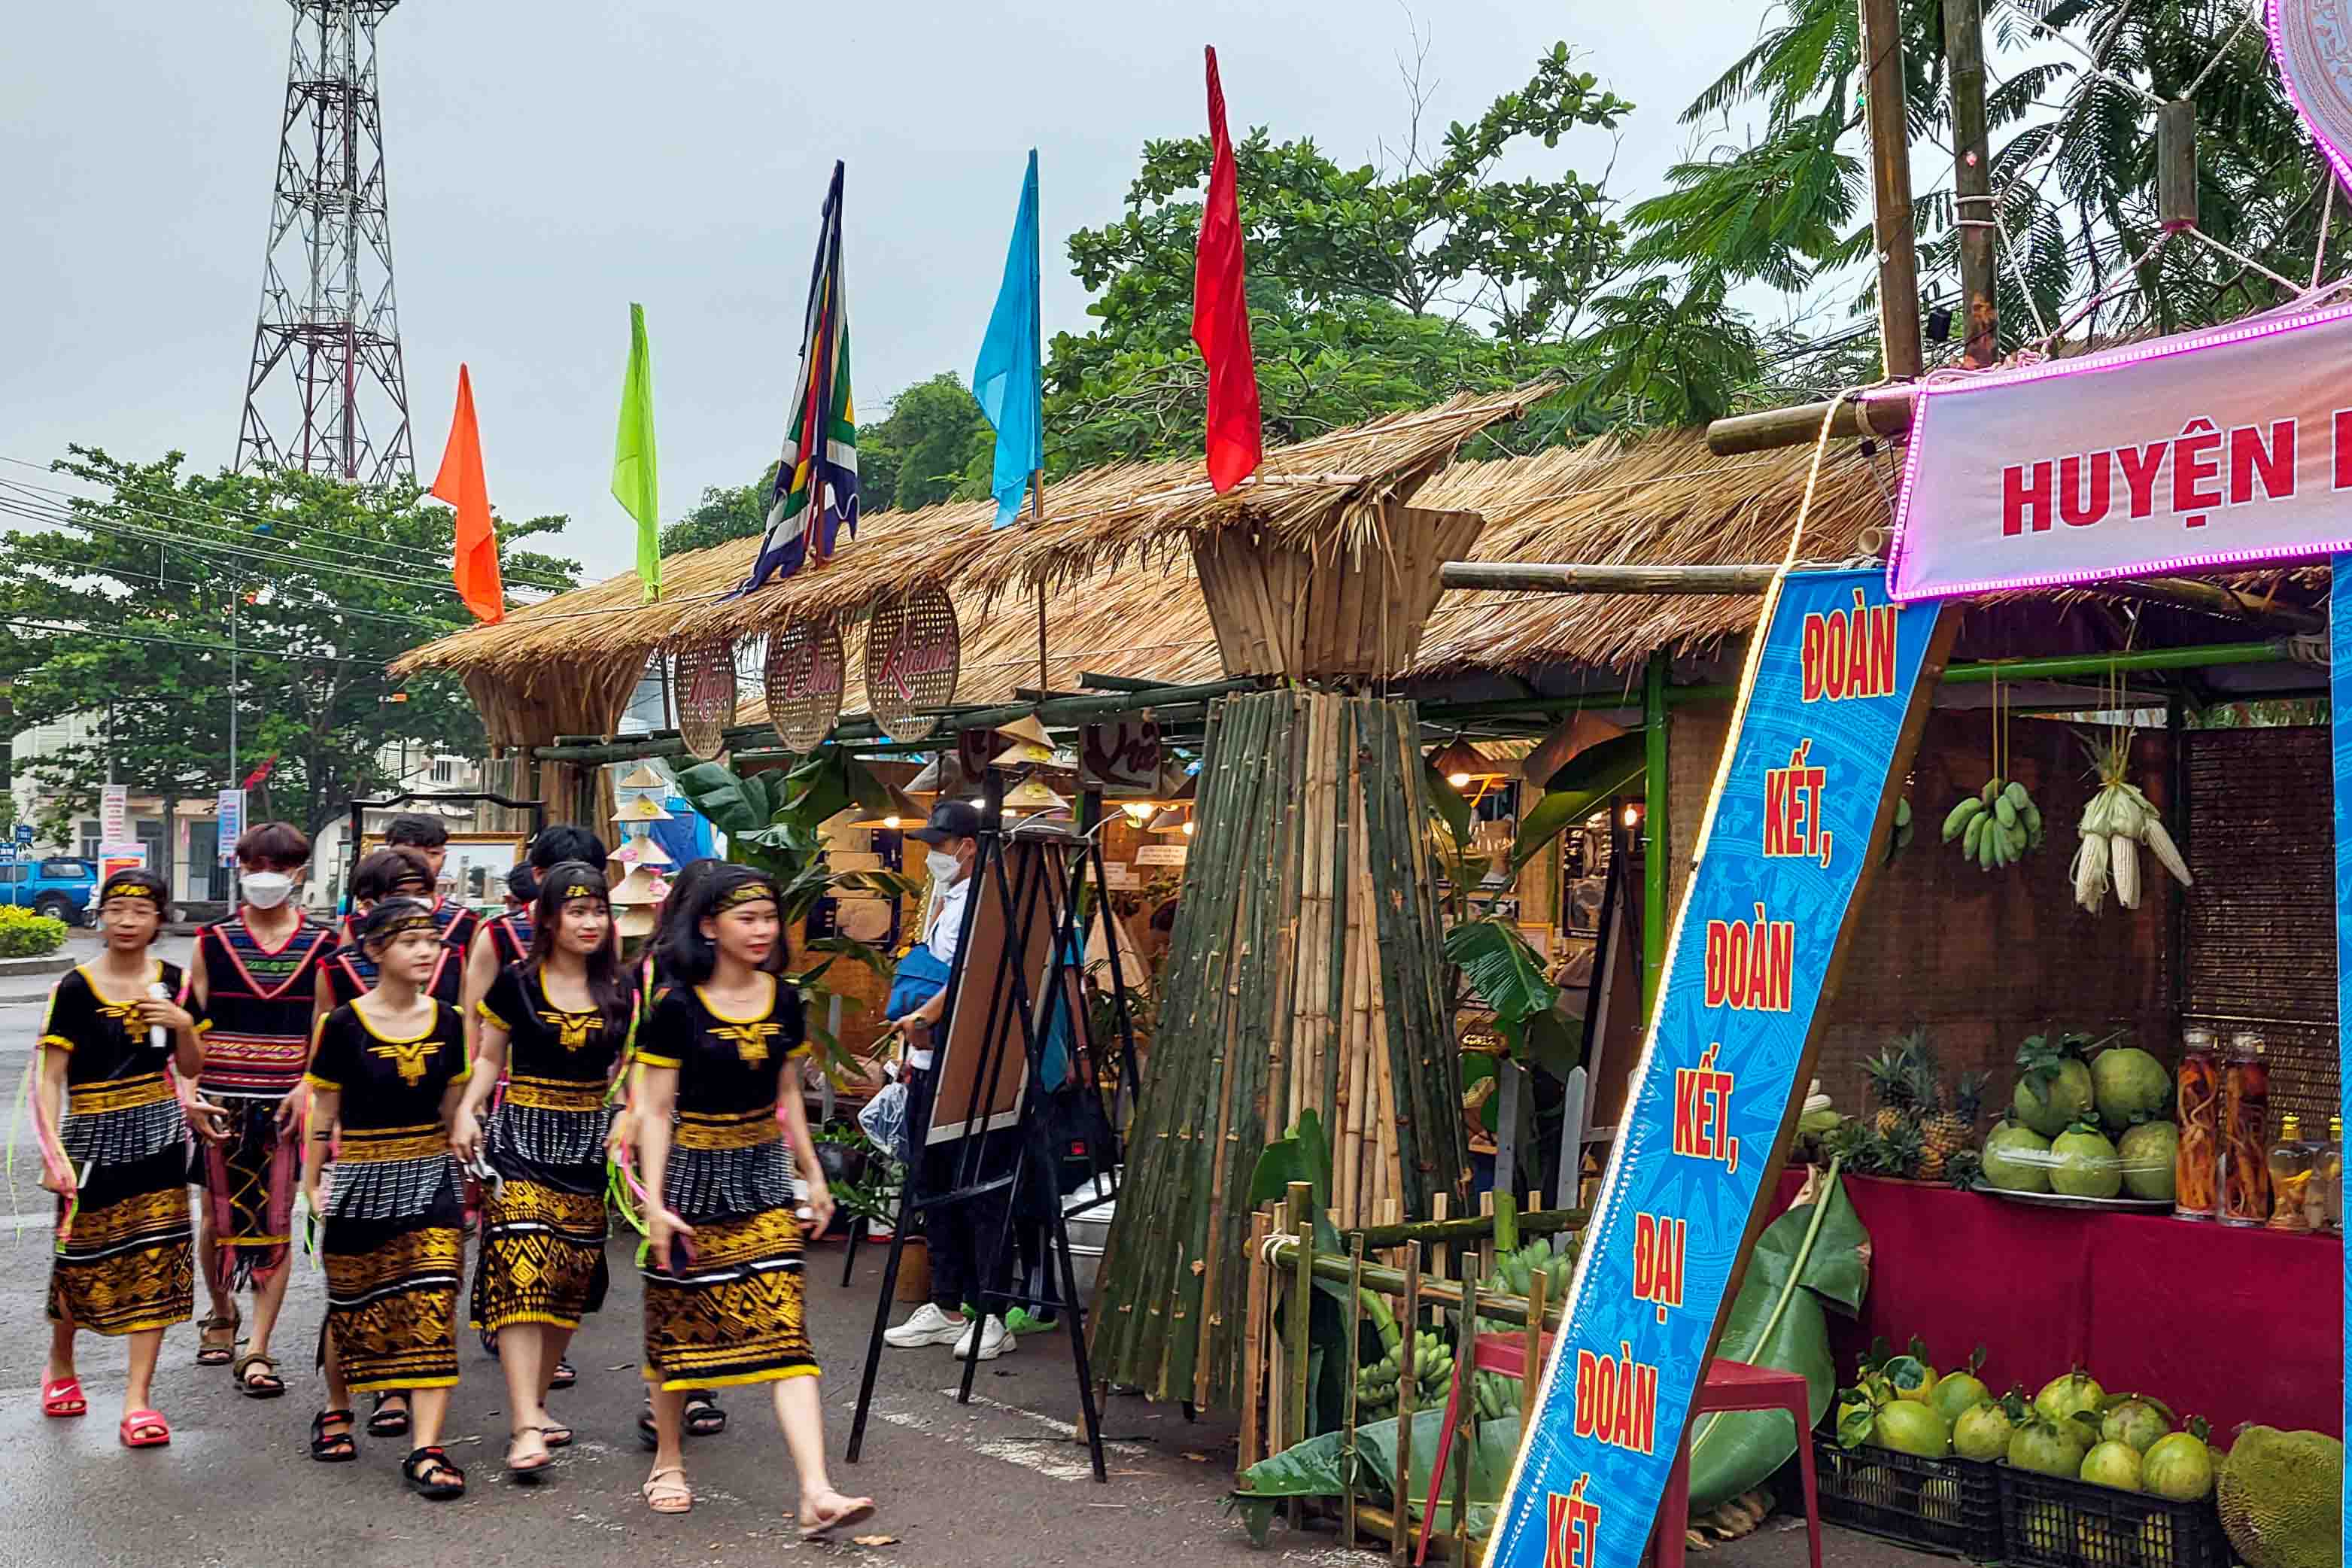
(1660, 501)
(1324, 494)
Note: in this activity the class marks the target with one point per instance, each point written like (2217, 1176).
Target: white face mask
(268, 889)
(943, 866)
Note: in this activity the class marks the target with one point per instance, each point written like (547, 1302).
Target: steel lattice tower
(326, 393)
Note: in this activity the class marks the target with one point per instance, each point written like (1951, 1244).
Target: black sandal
(337, 1448)
(556, 1437)
(211, 1354)
(422, 1465)
(564, 1376)
(382, 1423)
(268, 1385)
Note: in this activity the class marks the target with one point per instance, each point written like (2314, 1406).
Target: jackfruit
(2280, 1496)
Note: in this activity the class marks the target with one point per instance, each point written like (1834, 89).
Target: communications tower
(326, 393)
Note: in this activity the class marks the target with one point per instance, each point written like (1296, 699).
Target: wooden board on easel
(965, 1059)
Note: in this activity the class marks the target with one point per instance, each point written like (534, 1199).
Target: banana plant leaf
(1312, 1468)
(1506, 974)
(1574, 792)
(734, 803)
(1811, 1261)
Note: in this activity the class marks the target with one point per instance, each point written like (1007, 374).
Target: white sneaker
(994, 1341)
(927, 1326)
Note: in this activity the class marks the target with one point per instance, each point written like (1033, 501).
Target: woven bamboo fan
(913, 655)
(805, 669)
(705, 696)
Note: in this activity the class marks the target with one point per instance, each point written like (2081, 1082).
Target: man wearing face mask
(917, 1006)
(255, 976)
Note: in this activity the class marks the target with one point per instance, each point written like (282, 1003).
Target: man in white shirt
(955, 1235)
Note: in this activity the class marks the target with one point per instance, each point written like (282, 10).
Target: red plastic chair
(1730, 1385)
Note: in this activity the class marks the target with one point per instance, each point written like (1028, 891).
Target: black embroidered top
(389, 1084)
(103, 1033)
(725, 1066)
(544, 1041)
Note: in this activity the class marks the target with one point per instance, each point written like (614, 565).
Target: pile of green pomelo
(2085, 1126)
(2277, 1492)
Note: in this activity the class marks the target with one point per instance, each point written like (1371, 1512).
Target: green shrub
(23, 934)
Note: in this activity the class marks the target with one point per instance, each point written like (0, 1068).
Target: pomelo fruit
(2112, 1464)
(2127, 1083)
(2084, 1164)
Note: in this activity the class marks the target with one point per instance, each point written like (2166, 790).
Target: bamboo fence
(1302, 976)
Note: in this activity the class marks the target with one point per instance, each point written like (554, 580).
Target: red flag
(253, 780)
(1221, 314)
(460, 483)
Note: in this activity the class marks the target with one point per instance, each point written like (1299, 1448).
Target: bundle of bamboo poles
(1303, 974)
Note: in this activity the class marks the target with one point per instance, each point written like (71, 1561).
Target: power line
(241, 650)
(332, 606)
(425, 557)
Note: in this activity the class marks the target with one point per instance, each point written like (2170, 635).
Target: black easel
(1042, 885)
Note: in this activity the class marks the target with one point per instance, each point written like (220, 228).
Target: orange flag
(460, 483)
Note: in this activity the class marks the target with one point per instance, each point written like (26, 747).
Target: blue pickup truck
(58, 886)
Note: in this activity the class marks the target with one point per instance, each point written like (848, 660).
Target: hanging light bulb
(1138, 811)
(1188, 830)
(1459, 781)
(1633, 815)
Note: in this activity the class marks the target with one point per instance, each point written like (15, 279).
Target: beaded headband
(759, 892)
(132, 885)
(415, 917)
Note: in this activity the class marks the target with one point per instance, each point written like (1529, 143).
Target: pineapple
(1950, 1128)
(1892, 1084)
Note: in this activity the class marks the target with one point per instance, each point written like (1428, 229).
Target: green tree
(127, 606)
(725, 512)
(2073, 165)
(925, 449)
(1376, 288)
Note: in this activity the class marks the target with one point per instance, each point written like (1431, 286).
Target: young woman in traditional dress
(429, 837)
(118, 1028)
(349, 975)
(385, 1081)
(255, 977)
(556, 1025)
(723, 1294)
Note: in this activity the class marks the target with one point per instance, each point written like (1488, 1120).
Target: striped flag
(816, 482)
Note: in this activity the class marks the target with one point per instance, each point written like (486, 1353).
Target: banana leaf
(1506, 974)
(1574, 792)
(1811, 1261)
(733, 802)
(1312, 1468)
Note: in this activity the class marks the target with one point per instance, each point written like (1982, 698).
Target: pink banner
(2186, 454)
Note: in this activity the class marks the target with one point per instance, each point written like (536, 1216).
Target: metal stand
(1049, 885)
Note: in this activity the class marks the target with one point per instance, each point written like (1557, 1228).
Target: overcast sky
(548, 164)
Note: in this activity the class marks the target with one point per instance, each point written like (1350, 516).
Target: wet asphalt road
(999, 1482)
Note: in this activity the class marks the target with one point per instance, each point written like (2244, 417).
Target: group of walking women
(397, 1071)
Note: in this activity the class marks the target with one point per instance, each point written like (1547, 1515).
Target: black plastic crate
(1951, 1506)
(2049, 1522)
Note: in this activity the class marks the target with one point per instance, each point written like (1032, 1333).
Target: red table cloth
(2233, 1325)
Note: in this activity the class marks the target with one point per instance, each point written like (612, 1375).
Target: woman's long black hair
(682, 888)
(608, 985)
(684, 956)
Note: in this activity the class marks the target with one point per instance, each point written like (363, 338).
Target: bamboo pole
(1440, 1254)
(1389, 1280)
(1302, 1302)
(1531, 1364)
(1254, 1337)
(1471, 1228)
(1348, 1457)
(1972, 210)
(1408, 1388)
(1883, 111)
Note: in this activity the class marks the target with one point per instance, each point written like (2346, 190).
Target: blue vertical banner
(1783, 847)
(2339, 681)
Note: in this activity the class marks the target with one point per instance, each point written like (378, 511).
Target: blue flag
(1008, 378)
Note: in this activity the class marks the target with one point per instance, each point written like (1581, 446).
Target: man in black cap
(917, 1006)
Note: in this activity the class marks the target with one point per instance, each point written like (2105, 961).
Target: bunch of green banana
(1495, 1394)
(1996, 825)
(1376, 1385)
(1898, 838)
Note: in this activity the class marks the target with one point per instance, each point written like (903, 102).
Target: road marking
(1039, 1456)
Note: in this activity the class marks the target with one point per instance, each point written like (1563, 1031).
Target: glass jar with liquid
(2245, 1194)
(2197, 1160)
(2290, 1171)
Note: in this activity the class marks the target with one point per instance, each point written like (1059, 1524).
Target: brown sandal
(667, 1496)
(208, 1353)
(268, 1385)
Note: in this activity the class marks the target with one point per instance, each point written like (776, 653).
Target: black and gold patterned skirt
(542, 1257)
(394, 1245)
(127, 1262)
(732, 1314)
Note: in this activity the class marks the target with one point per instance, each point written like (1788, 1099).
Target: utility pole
(1973, 177)
(1890, 184)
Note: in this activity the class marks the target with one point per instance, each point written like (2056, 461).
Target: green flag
(635, 484)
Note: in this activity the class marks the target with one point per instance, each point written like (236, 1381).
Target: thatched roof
(1324, 494)
(1659, 501)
